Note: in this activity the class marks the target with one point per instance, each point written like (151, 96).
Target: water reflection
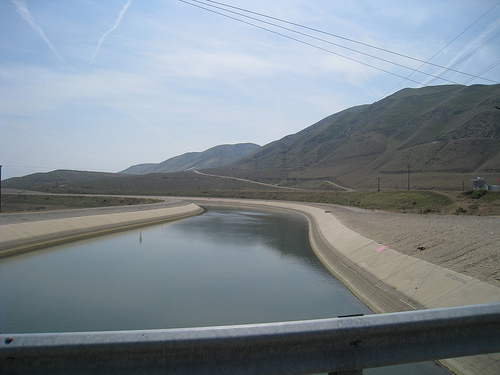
(282, 233)
(223, 267)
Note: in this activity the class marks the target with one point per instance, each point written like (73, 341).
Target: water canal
(219, 268)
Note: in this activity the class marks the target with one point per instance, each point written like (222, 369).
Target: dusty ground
(466, 244)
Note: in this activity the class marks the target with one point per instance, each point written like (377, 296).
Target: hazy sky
(102, 85)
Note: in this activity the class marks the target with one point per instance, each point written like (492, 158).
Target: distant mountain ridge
(435, 129)
(212, 158)
(445, 135)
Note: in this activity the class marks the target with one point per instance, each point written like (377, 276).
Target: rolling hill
(439, 132)
(440, 136)
(212, 158)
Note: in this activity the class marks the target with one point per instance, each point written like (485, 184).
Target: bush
(476, 194)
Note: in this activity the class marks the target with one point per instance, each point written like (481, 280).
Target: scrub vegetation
(407, 202)
(197, 185)
(414, 151)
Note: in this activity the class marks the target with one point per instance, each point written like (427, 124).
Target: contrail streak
(117, 23)
(23, 11)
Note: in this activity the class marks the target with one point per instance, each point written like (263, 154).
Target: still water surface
(219, 268)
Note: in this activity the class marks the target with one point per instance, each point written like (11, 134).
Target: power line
(299, 40)
(336, 53)
(0, 189)
(484, 71)
(46, 168)
(313, 45)
(327, 33)
(29, 166)
(446, 46)
(466, 57)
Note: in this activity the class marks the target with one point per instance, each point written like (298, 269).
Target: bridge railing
(338, 345)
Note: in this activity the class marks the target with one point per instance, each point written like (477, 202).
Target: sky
(103, 85)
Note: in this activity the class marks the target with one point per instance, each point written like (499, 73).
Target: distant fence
(338, 345)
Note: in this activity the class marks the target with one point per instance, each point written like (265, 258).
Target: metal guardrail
(303, 347)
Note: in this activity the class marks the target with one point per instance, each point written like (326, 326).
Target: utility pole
(255, 168)
(283, 151)
(378, 183)
(0, 189)
(408, 177)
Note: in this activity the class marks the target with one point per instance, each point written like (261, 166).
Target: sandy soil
(465, 244)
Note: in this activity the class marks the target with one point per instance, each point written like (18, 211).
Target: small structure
(479, 183)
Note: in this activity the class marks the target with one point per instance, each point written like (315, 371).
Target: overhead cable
(190, 2)
(205, 2)
(317, 47)
(483, 71)
(466, 57)
(442, 49)
(300, 41)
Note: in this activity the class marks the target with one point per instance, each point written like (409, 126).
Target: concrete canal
(223, 267)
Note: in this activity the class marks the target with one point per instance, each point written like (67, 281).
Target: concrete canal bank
(384, 279)
(29, 235)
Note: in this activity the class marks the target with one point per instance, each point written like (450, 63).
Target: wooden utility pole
(283, 151)
(408, 177)
(0, 189)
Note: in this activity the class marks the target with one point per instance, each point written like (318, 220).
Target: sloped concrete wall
(384, 279)
(31, 235)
